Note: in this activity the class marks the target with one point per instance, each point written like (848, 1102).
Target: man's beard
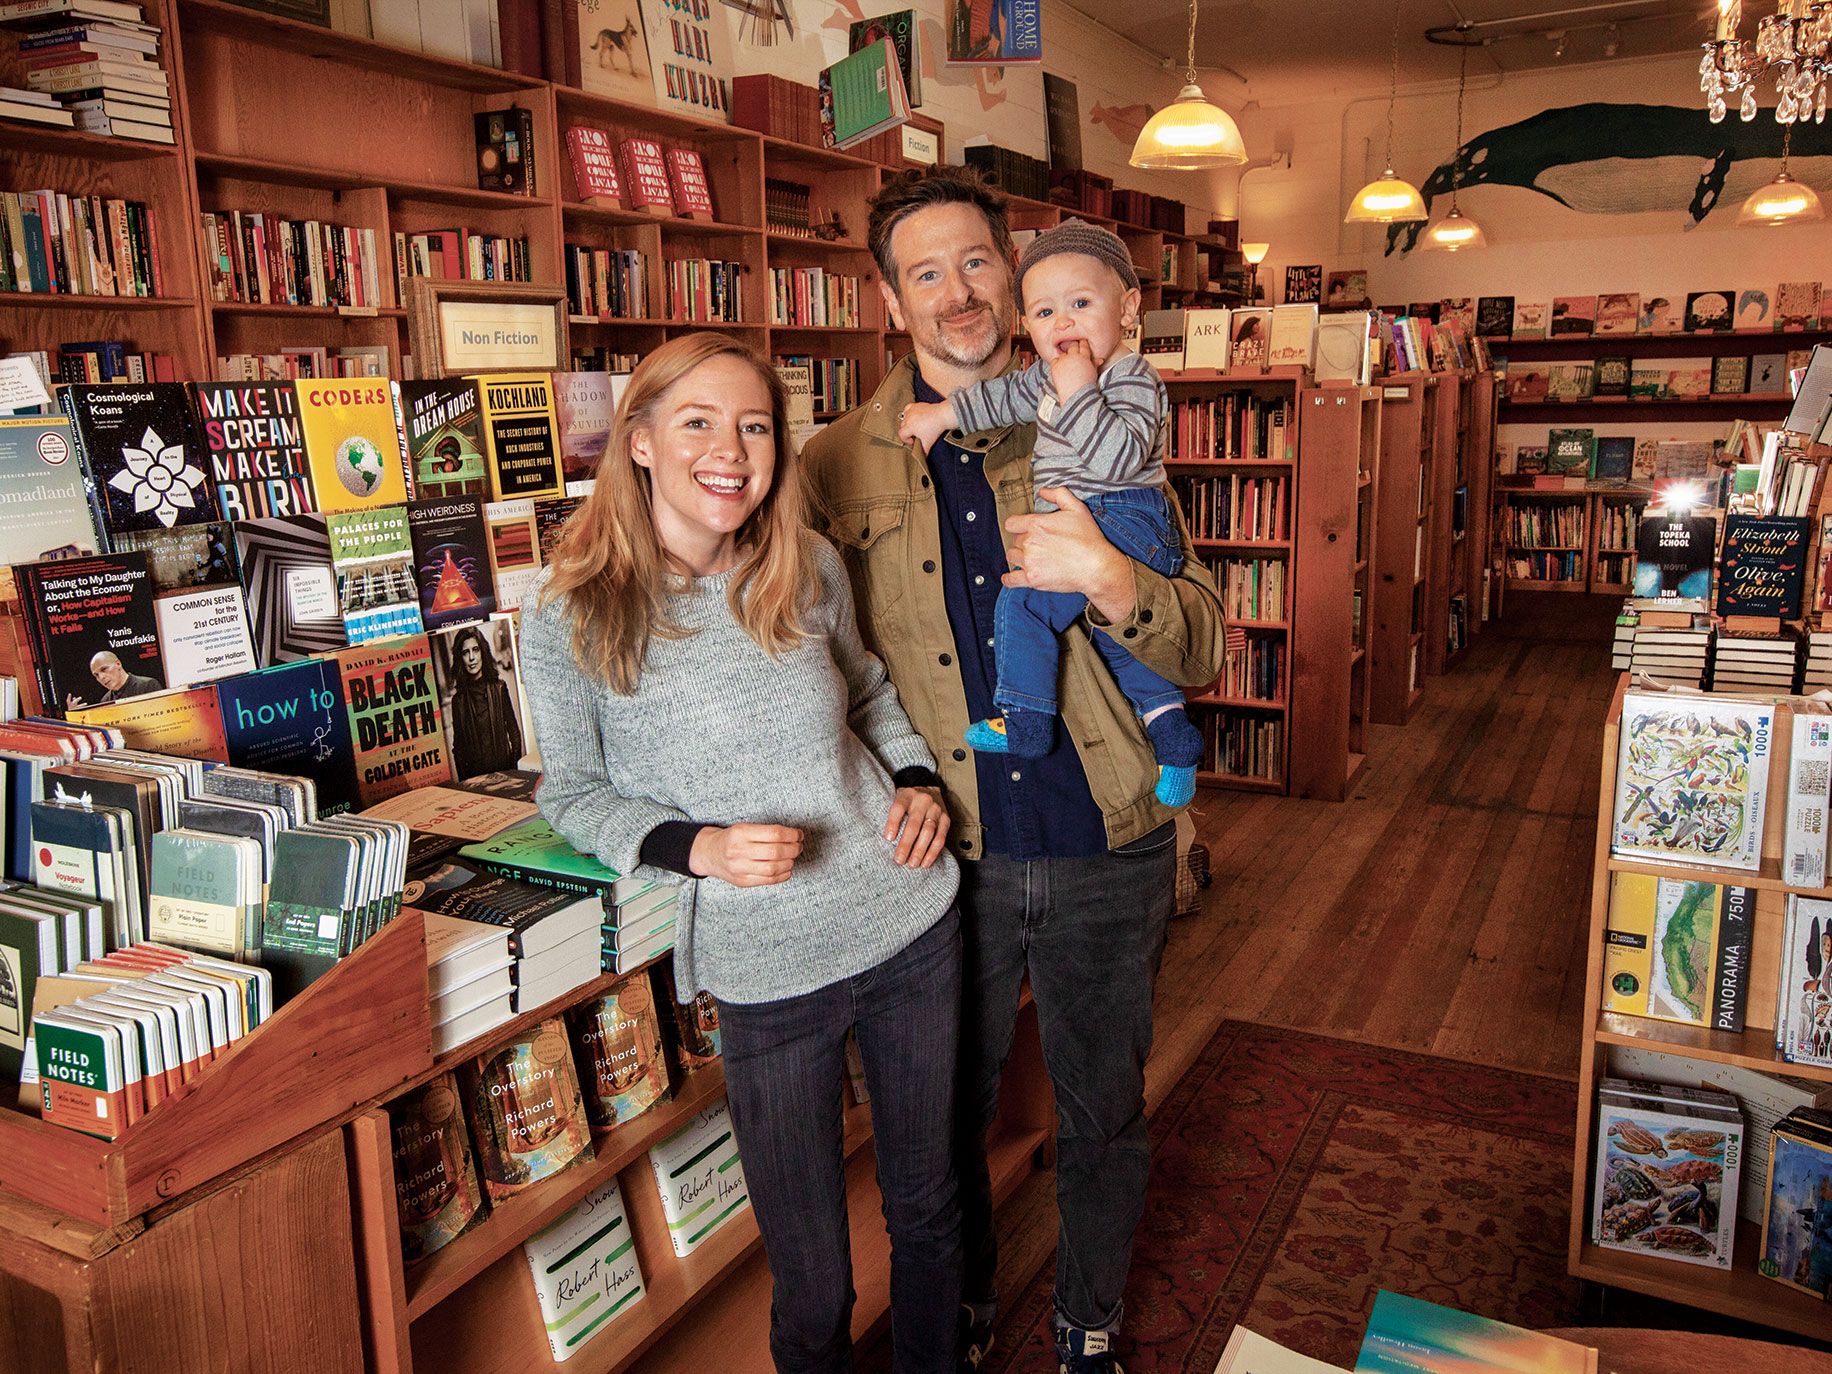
(965, 351)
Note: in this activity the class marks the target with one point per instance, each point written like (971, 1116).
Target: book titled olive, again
(436, 1191)
(527, 1116)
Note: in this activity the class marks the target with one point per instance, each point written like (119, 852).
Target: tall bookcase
(1740, 1291)
(1410, 430)
(1569, 539)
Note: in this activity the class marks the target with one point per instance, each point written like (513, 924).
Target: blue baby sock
(1177, 745)
(1027, 734)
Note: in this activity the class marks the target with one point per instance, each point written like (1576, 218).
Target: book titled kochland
(140, 450)
(256, 448)
(95, 637)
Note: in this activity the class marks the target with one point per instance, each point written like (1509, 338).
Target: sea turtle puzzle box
(1667, 1158)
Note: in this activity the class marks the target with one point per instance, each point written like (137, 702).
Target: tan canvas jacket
(876, 501)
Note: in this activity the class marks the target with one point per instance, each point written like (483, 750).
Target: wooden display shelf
(1767, 879)
(1244, 781)
(1529, 584)
(604, 214)
(778, 151)
(1401, 507)
(80, 143)
(1658, 345)
(1239, 703)
(69, 300)
(1227, 464)
(663, 124)
(360, 1031)
(1263, 545)
(786, 239)
(309, 312)
(1752, 1048)
(844, 329)
(1261, 626)
(1725, 398)
(285, 173)
(620, 321)
(1273, 376)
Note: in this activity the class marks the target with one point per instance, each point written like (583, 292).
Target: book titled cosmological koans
(1691, 779)
(700, 1177)
(585, 1270)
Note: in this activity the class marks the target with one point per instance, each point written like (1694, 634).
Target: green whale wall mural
(1605, 159)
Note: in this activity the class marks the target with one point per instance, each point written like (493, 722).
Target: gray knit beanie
(1077, 236)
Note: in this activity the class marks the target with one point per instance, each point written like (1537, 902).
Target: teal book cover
(1407, 1335)
(533, 846)
(199, 884)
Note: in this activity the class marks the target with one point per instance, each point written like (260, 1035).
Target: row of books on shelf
(1251, 588)
(1236, 507)
(638, 174)
(608, 283)
(1456, 627)
(1653, 379)
(99, 360)
(1544, 525)
(460, 255)
(58, 244)
(1342, 346)
(264, 259)
(1703, 654)
(1789, 307)
(1543, 566)
(1255, 671)
(705, 290)
(305, 360)
(834, 384)
(89, 70)
(1243, 744)
(813, 296)
(1237, 425)
(1580, 455)
(788, 207)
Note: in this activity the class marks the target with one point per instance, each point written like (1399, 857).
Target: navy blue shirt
(1030, 808)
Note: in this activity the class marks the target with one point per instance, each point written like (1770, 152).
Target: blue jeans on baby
(1026, 621)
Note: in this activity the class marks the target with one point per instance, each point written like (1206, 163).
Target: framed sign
(462, 327)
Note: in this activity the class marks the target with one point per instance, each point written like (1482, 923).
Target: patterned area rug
(1295, 1175)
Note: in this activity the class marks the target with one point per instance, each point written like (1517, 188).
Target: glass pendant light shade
(1782, 201)
(1255, 253)
(1455, 231)
(1387, 200)
(1189, 135)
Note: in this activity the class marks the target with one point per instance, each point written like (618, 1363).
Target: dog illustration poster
(613, 54)
(690, 57)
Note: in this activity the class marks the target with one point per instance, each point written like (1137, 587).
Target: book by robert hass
(700, 1177)
(585, 1270)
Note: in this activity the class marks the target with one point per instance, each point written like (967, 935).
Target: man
(1068, 868)
(106, 668)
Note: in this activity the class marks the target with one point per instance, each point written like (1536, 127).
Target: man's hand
(745, 855)
(1072, 368)
(1064, 551)
(924, 422)
(919, 824)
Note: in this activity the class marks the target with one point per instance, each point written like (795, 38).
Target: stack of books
(1749, 662)
(638, 923)
(471, 974)
(98, 59)
(1818, 669)
(34, 107)
(1622, 647)
(1671, 654)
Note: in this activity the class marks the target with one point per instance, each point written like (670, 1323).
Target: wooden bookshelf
(1338, 469)
(1481, 402)
(1403, 506)
(1740, 1291)
(1446, 532)
(1602, 565)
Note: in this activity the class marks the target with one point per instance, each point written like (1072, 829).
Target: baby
(1099, 410)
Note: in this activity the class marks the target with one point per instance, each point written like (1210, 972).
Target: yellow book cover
(522, 434)
(188, 723)
(353, 442)
(1678, 950)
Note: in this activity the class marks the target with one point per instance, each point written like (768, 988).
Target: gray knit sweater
(718, 733)
(1108, 436)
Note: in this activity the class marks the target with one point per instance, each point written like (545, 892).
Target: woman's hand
(918, 813)
(745, 855)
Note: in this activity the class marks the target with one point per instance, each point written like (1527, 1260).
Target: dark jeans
(1026, 622)
(1091, 934)
(785, 1074)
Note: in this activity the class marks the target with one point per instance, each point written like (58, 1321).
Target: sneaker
(1085, 1352)
(974, 1343)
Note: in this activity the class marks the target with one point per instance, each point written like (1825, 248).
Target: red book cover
(687, 177)
(645, 175)
(594, 164)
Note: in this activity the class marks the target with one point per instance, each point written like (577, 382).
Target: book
(480, 697)
(1678, 950)
(585, 407)
(1406, 1335)
(594, 167)
(393, 709)
(95, 633)
(1531, 320)
(1248, 347)
(141, 453)
(1798, 1185)
(690, 60)
(206, 892)
(443, 422)
(613, 50)
(995, 35)
(526, 1115)
(1205, 340)
(1304, 284)
(290, 586)
(31, 944)
(372, 557)
(1615, 458)
(291, 719)
(1570, 381)
(1347, 290)
(1729, 375)
(1709, 312)
(515, 550)
(436, 1192)
(352, 442)
(505, 150)
(617, 1039)
(1754, 309)
(1809, 805)
(1762, 570)
(1673, 556)
(1343, 351)
(1247, 1352)
(646, 186)
(1161, 339)
(1293, 336)
(451, 560)
(1662, 315)
(1611, 376)
(585, 1270)
(1768, 374)
(862, 95)
(1618, 312)
(255, 446)
(1573, 315)
(687, 181)
(1797, 306)
(905, 35)
(521, 435)
(1494, 317)
(700, 1177)
(40, 475)
(204, 635)
(1692, 779)
(1570, 452)
(1651, 1139)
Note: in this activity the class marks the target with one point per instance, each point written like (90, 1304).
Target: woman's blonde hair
(610, 568)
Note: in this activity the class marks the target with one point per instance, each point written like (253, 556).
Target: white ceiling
(1278, 52)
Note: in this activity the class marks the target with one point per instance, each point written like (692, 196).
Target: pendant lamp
(1456, 230)
(1388, 199)
(1190, 134)
(1783, 200)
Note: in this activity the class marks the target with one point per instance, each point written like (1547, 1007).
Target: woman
(480, 719)
(705, 706)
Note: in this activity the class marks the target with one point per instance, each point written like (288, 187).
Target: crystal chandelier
(1790, 46)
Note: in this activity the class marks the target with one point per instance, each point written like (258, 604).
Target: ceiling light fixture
(1190, 134)
(1783, 200)
(1793, 46)
(1457, 230)
(1387, 199)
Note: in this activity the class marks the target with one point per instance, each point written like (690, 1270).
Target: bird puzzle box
(1667, 1158)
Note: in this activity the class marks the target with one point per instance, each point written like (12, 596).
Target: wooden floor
(1442, 908)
